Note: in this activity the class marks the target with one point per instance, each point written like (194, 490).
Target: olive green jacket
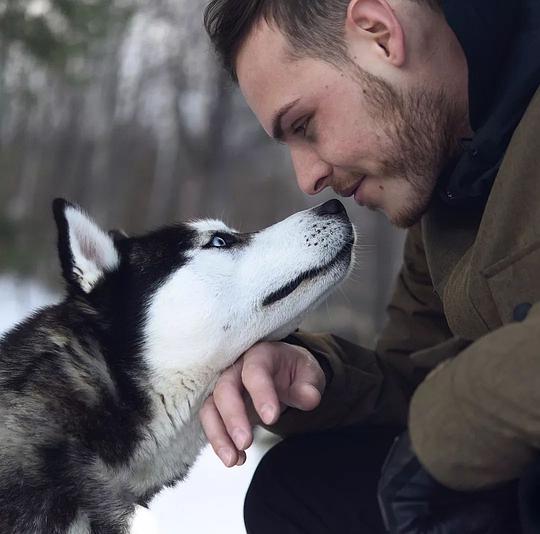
(468, 295)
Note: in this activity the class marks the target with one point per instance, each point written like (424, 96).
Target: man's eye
(301, 129)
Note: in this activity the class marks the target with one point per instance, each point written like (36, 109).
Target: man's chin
(400, 219)
(403, 203)
(406, 217)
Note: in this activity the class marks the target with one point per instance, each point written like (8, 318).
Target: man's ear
(86, 251)
(373, 27)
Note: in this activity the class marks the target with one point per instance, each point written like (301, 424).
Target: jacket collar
(501, 40)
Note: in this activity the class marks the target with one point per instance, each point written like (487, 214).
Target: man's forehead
(263, 45)
(264, 70)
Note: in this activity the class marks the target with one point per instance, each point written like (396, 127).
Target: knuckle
(261, 357)
(255, 375)
(263, 349)
(250, 367)
(226, 377)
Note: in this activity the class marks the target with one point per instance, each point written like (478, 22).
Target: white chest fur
(174, 436)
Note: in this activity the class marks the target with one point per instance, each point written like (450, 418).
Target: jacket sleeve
(475, 420)
(375, 386)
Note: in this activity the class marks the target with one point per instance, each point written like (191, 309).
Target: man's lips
(349, 192)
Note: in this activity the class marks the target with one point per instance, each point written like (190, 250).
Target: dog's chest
(170, 445)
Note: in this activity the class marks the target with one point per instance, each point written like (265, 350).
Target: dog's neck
(180, 393)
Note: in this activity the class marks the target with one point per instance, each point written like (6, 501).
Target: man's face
(349, 130)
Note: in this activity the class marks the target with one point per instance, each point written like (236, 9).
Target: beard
(422, 128)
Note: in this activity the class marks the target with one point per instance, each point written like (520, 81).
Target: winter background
(120, 105)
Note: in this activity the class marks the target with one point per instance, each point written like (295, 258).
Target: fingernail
(267, 413)
(241, 460)
(226, 456)
(240, 438)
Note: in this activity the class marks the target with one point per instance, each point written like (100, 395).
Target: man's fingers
(241, 458)
(230, 404)
(273, 375)
(279, 374)
(217, 434)
(303, 396)
(307, 381)
(257, 376)
(308, 371)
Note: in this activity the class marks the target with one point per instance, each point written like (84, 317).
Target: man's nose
(312, 173)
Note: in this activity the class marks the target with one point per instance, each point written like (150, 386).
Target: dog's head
(201, 293)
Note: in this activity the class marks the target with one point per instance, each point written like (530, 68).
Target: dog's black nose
(332, 207)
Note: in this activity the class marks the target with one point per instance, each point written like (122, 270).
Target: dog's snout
(332, 207)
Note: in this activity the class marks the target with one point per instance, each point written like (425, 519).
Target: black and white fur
(99, 395)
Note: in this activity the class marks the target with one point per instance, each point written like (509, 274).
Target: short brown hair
(314, 28)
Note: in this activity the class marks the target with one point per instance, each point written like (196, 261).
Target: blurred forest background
(120, 105)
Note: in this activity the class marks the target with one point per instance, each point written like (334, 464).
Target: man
(429, 111)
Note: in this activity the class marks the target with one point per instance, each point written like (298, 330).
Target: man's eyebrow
(277, 127)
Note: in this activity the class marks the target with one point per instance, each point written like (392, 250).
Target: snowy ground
(18, 298)
(210, 501)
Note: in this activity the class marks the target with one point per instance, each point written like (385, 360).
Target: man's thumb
(303, 396)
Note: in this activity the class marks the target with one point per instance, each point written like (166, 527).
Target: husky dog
(100, 394)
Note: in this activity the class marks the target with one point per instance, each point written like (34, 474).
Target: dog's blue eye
(218, 242)
(221, 240)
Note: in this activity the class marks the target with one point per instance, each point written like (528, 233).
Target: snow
(18, 298)
(210, 501)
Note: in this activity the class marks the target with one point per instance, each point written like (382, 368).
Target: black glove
(413, 502)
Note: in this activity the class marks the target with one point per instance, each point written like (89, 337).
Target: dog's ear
(86, 251)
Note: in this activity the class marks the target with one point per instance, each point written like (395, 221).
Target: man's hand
(266, 380)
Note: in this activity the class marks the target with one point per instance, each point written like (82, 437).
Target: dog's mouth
(287, 289)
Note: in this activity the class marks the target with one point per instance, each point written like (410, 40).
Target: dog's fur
(99, 395)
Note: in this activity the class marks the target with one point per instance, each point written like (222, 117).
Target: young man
(428, 110)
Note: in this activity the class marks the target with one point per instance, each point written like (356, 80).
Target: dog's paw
(143, 522)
